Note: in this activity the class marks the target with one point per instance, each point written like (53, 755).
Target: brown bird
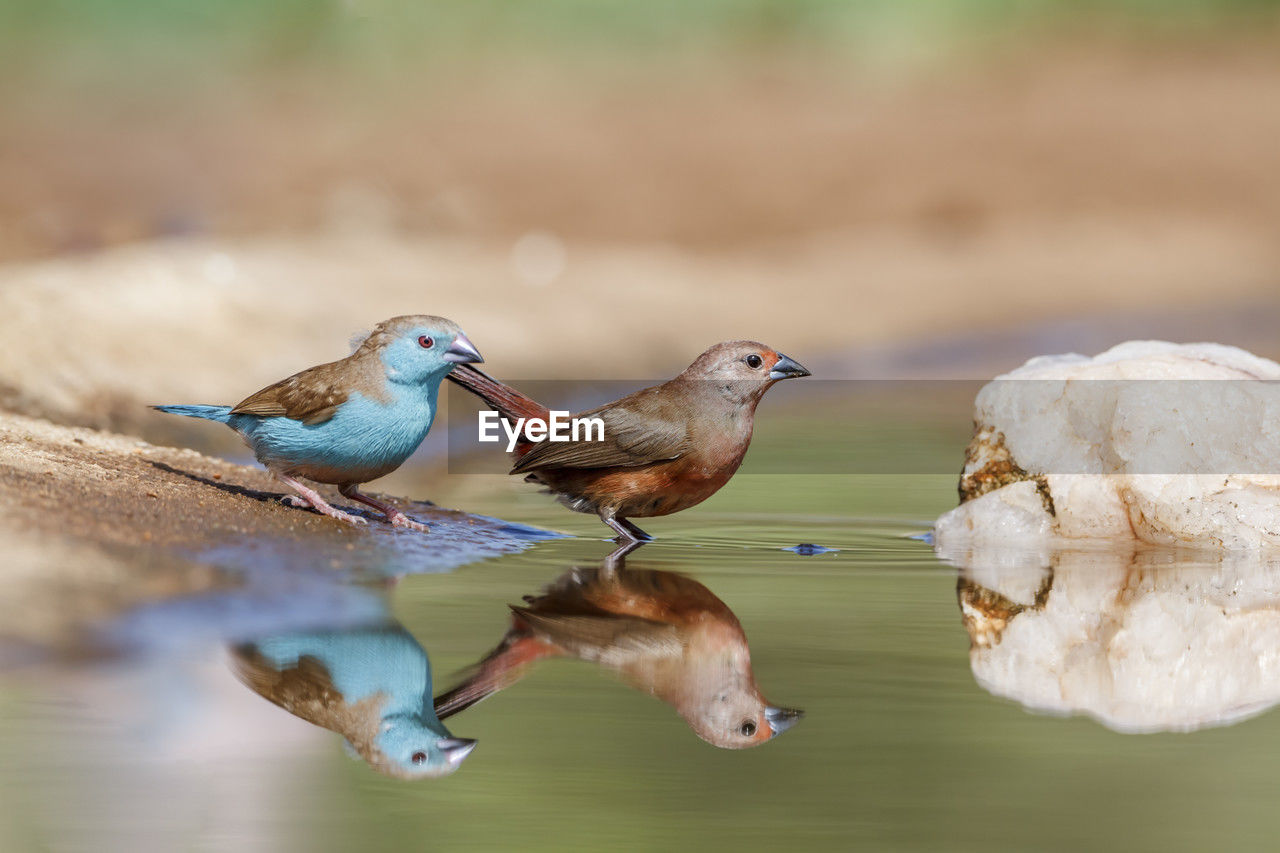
(666, 634)
(664, 449)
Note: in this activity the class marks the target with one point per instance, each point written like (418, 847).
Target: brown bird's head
(718, 698)
(742, 370)
(743, 724)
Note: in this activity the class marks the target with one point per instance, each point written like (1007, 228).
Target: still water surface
(907, 742)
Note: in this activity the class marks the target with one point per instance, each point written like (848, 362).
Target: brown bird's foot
(311, 498)
(617, 558)
(636, 533)
(395, 516)
(626, 530)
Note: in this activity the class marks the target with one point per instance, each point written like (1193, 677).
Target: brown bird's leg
(395, 516)
(636, 533)
(618, 557)
(312, 498)
(625, 529)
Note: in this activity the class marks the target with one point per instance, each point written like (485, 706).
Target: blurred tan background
(195, 202)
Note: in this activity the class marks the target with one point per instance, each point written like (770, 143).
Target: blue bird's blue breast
(365, 439)
(361, 664)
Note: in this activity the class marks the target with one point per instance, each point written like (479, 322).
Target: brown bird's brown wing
(608, 639)
(311, 396)
(658, 595)
(633, 436)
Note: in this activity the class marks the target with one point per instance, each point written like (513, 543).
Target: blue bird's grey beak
(455, 749)
(462, 351)
(781, 719)
(787, 368)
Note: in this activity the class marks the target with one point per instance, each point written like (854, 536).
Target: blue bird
(372, 685)
(353, 420)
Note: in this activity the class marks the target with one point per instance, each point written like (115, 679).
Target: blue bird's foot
(399, 519)
(395, 516)
(311, 498)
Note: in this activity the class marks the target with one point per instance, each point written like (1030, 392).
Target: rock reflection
(665, 633)
(1145, 640)
(370, 684)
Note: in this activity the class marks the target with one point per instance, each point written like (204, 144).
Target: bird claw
(399, 519)
(339, 515)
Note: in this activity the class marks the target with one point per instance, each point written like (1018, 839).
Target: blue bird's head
(411, 749)
(416, 349)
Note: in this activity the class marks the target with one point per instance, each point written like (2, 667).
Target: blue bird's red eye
(419, 757)
(426, 342)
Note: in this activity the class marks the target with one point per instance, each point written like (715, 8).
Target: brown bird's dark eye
(419, 757)
(754, 361)
(426, 342)
(749, 728)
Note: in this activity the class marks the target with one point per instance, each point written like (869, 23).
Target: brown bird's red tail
(503, 399)
(503, 667)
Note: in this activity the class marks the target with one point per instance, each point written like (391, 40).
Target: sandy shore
(96, 523)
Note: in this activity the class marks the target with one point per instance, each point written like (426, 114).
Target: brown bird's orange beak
(786, 368)
(781, 719)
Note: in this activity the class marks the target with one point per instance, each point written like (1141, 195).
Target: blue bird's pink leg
(313, 499)
(395, 516)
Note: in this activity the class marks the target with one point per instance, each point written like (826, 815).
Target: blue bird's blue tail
(210, 413)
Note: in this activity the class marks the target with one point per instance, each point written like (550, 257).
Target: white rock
(1111, 454)
(1135, 640)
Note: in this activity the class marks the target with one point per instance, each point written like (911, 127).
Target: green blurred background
(834, 178)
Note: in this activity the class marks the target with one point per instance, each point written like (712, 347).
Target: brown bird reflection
(665, 633)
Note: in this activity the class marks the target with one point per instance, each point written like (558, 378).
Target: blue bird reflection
(372, 685)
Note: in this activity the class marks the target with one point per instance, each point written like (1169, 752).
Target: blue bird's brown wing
(311, 396)
(306, 690)
(634, 435)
